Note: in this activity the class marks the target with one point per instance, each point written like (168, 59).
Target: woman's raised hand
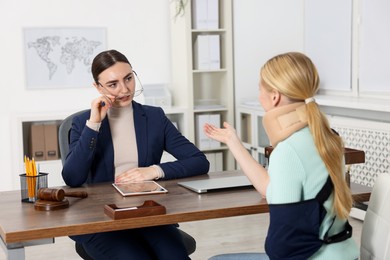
(99, 108)
(223, 135)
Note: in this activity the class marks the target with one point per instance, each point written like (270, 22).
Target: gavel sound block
(53, 199)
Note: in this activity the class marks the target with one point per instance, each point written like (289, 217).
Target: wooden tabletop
(352, 156)
(21, 222)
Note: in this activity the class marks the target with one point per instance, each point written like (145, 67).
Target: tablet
(139, 188)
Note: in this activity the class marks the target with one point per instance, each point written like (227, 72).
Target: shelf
(251, 131)
(352, 156)
(208, 91)
(24, 123)
(178, 115)
(39, 137)
(210, 31)
(222, 148)
(216, 108)
(174, 110)
(358, 103)
(210, 71)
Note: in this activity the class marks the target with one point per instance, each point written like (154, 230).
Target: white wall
(139, 29)
(263, 29)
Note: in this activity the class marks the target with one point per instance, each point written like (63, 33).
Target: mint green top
(298, 173)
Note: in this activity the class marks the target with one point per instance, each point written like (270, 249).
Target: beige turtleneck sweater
(123, 138)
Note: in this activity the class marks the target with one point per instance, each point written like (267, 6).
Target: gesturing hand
(223, 135)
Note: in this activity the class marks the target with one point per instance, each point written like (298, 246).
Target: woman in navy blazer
(91, 153)
(144, 133)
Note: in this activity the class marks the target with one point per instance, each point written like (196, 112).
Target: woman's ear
(276, 96)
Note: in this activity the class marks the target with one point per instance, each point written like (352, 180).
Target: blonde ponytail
(294, 75)
(331, 149)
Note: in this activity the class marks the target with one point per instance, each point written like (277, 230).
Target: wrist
(232, 141)
(159, 172)
(93, 125)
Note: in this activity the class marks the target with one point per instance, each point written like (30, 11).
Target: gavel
(59, 194)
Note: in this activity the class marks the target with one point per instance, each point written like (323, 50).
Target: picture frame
(61, 57)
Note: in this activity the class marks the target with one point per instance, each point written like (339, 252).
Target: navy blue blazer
(91, 153)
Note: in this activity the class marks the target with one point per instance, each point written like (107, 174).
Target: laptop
(206, 185)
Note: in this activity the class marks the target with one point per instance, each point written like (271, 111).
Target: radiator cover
(370, 136)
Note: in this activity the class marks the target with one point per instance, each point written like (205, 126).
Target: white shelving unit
(178, 115)
(23, 123)
(251, 131)
(205, 91)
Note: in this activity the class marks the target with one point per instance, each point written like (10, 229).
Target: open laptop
(202, 186)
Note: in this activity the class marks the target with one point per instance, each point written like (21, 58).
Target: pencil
(34, 178)
(31, 175)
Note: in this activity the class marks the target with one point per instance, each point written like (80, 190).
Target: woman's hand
(255, 171)
(223, 135)
(137, 175)
(99, 108)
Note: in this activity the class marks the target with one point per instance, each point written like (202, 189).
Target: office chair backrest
(375, 239)
(63, 135)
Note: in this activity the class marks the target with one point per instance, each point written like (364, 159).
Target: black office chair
(63, 140)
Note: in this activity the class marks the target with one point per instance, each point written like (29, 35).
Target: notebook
(202, 186)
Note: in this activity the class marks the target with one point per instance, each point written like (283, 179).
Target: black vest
(294, 227)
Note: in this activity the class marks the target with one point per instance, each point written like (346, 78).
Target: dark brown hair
(104, 60)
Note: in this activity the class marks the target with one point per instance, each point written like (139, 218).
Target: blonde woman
(304, 183)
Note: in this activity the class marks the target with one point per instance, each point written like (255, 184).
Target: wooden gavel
(59, 194)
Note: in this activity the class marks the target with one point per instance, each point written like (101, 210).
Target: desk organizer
(149, 208)
(29, 186)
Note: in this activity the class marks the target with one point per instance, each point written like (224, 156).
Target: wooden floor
(235, 234)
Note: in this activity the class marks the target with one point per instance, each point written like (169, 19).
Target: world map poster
(61, 57)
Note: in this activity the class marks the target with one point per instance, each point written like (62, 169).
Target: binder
(212, 14)
(199, 14)
(216, 161)
(44, 141)
(214, 119)
(37, 142)
(207, 52)
(51, 141)
(205, 14)
(202, 140)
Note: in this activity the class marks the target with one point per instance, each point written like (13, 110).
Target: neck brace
(281, 122)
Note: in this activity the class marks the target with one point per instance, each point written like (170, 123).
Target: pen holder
(29, 186)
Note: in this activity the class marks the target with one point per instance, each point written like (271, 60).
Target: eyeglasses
(113, 87)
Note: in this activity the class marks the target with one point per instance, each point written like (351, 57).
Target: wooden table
(21, 225)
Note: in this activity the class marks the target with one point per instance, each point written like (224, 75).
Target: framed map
(61, 57)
